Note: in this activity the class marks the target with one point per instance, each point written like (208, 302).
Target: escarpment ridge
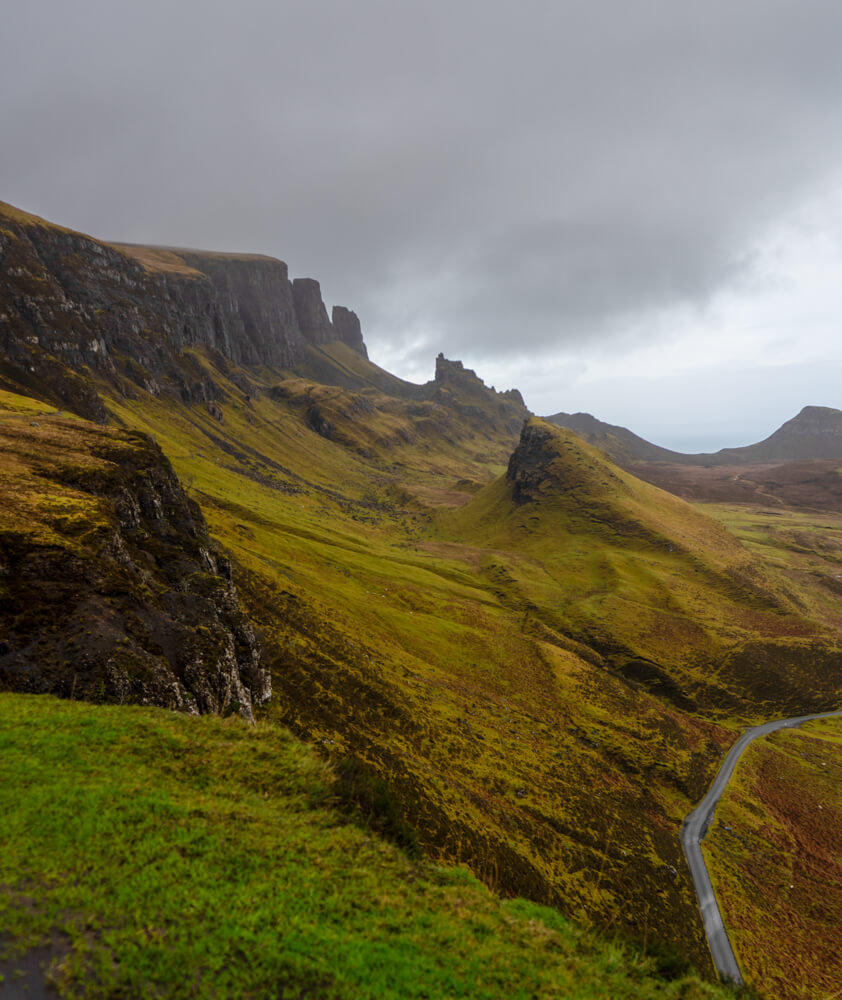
(69, 301)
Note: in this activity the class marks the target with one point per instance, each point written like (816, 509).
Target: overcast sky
(629, 207)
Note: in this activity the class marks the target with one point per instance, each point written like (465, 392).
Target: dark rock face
(70, 304)
(315, 327)
(133, 605)
(514, 395)
(462, 390)
(529, 462)
(254, 322)
(454, 371)
(346, 326)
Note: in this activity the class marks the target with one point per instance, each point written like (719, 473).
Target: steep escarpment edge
(70, 303)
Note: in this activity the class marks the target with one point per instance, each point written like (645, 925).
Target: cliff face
(462, 390)
(69, 302)
(346, 325)
(111, 589)
(310, 310)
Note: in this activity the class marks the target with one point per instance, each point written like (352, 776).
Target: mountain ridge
(815, 432)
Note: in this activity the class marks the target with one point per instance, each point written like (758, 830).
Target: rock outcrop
(462, 390)
(71, 304)
(529, 465)
(346, 326)
(111, 588)
(315, 327)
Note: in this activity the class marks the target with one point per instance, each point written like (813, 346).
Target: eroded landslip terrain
(540, 656)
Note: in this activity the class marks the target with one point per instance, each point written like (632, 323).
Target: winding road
(693, 831)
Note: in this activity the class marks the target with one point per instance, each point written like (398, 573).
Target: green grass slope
(669, 596)
(521, 672)
(149, 854)
(510, 748)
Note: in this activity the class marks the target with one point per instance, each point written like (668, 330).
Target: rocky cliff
(110, 588)
(315, 327)
(462, 391)
(70, 303)
(346, 325)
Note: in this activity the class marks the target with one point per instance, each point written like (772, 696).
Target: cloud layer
(497, 181)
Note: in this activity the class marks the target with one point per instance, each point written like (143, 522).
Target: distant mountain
(815, 433)
(619, 443)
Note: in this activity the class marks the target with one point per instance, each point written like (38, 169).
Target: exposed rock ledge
(111, 589)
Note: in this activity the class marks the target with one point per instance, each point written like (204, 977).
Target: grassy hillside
(147, 854)
(500, 737)
(775, 856)
(542, 657)
(522, 672)
(803, 550)
(527, 701)
(670, 598)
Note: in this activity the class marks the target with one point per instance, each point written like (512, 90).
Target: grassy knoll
(145, 853)
(775, 856)
(657, 586)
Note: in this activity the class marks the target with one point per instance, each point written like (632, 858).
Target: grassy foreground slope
(145, 854)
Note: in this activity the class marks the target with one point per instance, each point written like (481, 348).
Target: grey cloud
(497, 175)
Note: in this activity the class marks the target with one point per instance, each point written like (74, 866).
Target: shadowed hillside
(111, 588)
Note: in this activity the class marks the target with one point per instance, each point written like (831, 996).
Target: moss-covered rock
(111, 588)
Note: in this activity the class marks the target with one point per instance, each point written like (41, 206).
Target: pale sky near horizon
(628, 207)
